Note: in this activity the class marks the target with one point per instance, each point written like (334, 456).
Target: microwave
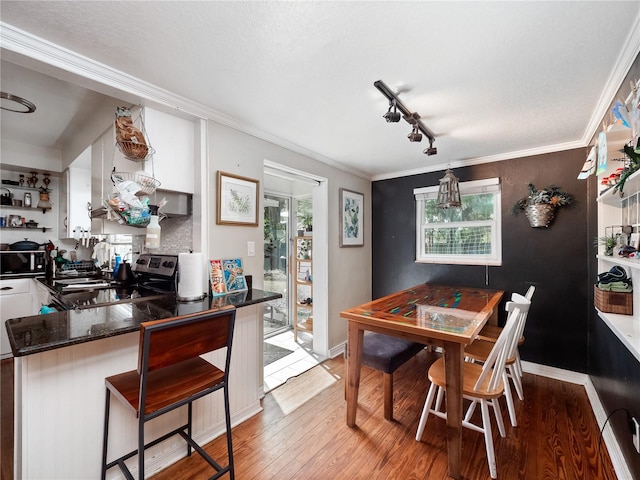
(28, 262)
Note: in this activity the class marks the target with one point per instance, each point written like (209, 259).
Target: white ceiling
(492, 80)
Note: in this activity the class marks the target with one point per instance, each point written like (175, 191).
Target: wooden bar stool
(171, 374)
(387, 354)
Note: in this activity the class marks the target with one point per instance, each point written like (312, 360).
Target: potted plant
(540, 204)
(609, 242)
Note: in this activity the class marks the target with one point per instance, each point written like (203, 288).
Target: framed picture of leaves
(351, 218)
(237, 200)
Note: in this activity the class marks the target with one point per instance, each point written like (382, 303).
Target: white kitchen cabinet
(173, 139)
(75, 199)
(18, 298)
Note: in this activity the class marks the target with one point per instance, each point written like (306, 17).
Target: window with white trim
(469, 235)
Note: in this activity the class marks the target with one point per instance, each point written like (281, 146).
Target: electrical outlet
(636, 435)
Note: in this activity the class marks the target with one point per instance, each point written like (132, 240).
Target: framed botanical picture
(351, 218)
(237, 200)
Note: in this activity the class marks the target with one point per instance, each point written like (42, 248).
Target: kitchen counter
(62, 359)
(41, 333)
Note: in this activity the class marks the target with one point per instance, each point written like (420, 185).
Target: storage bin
(613, 302)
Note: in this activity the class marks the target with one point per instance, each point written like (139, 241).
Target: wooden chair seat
(194, 376)
(490, 333)
(479, 350)
(470, 374)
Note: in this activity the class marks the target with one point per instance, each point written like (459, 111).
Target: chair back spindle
(494, 365)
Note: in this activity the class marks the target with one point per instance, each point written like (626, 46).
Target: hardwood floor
(302, 434)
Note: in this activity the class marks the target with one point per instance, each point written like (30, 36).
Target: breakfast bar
(62, 359)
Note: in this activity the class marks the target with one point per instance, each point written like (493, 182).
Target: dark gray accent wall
(554, 259)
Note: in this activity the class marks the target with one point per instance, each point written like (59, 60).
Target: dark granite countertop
(41, 333)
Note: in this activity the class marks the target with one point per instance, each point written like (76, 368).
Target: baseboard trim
(339, 349)
(610, 440)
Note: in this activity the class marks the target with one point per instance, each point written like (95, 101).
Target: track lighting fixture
(409, 116)
(431, 150)
(392, 117)
(415, 135)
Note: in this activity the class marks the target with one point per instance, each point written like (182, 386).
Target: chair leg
(509, 397)
(517, 382)
(105, 435)
(498, 413)
(518, 363)
(425, 411)
(439, 399)
(227, 416)
(387, 381)
(141, 446)
(488, 438)
(189, 431)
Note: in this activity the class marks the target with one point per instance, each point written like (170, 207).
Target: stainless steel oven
(21, 263)
(155, 277)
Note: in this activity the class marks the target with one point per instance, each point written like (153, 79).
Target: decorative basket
(137, 152)
(147, 184)
(613, 302)
(539, 214)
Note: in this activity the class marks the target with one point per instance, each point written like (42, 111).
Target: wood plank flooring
(302, 434)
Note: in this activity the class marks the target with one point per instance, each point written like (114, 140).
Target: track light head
(392, 117)
(415, 135)
(431, 150)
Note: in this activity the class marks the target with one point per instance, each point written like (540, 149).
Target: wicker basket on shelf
(613, 302)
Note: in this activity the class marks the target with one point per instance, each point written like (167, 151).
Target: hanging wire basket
(137, 152)
(146, 183)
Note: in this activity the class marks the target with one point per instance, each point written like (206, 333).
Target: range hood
(179, 204)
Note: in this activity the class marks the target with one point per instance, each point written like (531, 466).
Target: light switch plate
(251, 249)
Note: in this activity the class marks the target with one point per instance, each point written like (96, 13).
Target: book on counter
(227, 276)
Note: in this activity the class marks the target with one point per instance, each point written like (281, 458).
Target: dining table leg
(453, 358)
(354, 359)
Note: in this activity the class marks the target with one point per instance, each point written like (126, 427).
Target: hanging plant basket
(539, 214)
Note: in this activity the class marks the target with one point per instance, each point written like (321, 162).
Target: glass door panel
(276, 257)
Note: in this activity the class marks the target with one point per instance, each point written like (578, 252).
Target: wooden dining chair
(491, 332)
(479, 350)
(171, 373)
(482, 384)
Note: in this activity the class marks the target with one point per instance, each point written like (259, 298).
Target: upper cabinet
(173, 139)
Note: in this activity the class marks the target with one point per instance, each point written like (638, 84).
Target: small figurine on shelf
(46, 180)
(21, 181)
(44, 202)
(32, 180)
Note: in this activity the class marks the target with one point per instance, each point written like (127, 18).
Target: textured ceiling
(490, 79)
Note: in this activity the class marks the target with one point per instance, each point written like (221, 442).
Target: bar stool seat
(387, 354)
(171, 373)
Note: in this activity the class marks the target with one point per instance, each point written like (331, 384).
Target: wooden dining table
(445, 316)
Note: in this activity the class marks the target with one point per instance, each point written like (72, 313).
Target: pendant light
(449, 191)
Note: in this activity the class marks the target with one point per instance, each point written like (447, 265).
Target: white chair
(481, 384)
(479, 350)
(490, 333)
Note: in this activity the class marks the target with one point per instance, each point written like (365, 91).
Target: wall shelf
(303, 314)
(26, 229)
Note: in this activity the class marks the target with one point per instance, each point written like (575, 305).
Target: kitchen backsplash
(176, 236)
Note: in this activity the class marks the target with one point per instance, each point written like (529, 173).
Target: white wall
(349, 268)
